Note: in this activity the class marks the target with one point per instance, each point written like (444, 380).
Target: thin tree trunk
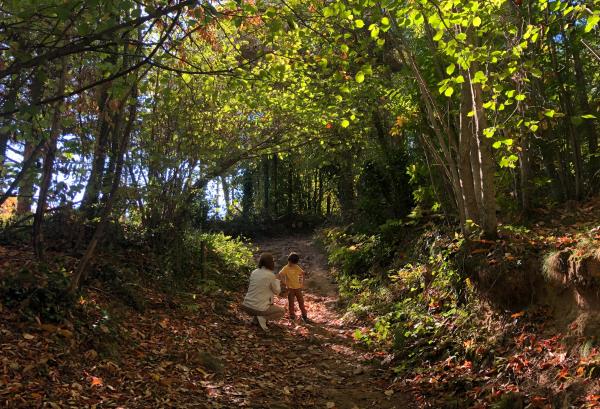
(525, 174)
(588, 126)
(26, 186)
(489, 221)
(226, 195)
(8, 104)
(81, 272)
(266, 186)
(25, 197)
(48, 168)
(275, 185)
(468, 173)
(94, 185)
(567, 106)
(290, 198)
(320, 198)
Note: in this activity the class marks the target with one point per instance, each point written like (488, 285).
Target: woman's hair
(294, 258)
(266, 261)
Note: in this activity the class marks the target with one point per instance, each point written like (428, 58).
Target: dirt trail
(321, 365)
(195, 352)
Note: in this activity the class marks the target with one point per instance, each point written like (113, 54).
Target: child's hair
(266, 261)
(293, 258)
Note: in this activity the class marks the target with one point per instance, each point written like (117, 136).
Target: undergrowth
(418, 309)
(40, 289)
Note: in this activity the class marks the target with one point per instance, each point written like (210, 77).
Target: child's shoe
(306, 320)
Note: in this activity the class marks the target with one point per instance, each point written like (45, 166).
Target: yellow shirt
(292, 276)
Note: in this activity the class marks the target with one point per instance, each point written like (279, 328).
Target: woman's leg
(273, 313)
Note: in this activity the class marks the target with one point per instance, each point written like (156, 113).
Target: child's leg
(291, 306)
(300, 298)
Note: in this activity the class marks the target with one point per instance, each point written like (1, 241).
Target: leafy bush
(41, 295)
(407, 304)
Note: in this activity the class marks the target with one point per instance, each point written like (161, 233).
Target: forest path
(317, 365)
(198, 352)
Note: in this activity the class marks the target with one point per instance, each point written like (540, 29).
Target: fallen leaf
(96, 381)
(518, 314)
(389, 392)
(28, 336)
(65, 333)
(330, 405)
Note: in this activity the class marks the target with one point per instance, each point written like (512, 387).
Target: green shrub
(406, 304)
(42, 294)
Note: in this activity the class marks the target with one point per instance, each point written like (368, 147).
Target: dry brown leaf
(96, 381)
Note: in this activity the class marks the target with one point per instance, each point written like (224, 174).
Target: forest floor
(195, 352)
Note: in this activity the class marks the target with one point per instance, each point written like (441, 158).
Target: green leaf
(345, 123)
(450, 69)
(489, 132)
(520, 97)
(359, 77)
(476, 21)
(385, 21)
(479, 77)
(359, 23)
(374, 28)
(438, 36)
(461, 36)
(550, 113)
(449, 91)
(591, 22)
(588, 116)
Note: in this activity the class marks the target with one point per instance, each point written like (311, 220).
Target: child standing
(293, 277)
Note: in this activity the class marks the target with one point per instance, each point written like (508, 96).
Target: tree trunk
(275, 194)
(25, 197)
(489, 221)
(226, 195)
(468, 169)
(588, 126)
(48, 168)
(290, 198)
(7, 105)
(94, 185)
(567, 106)
(26, 186)
(81, 272)
(266, 186)
(320, 197)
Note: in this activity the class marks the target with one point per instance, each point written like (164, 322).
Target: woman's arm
(275, 286)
